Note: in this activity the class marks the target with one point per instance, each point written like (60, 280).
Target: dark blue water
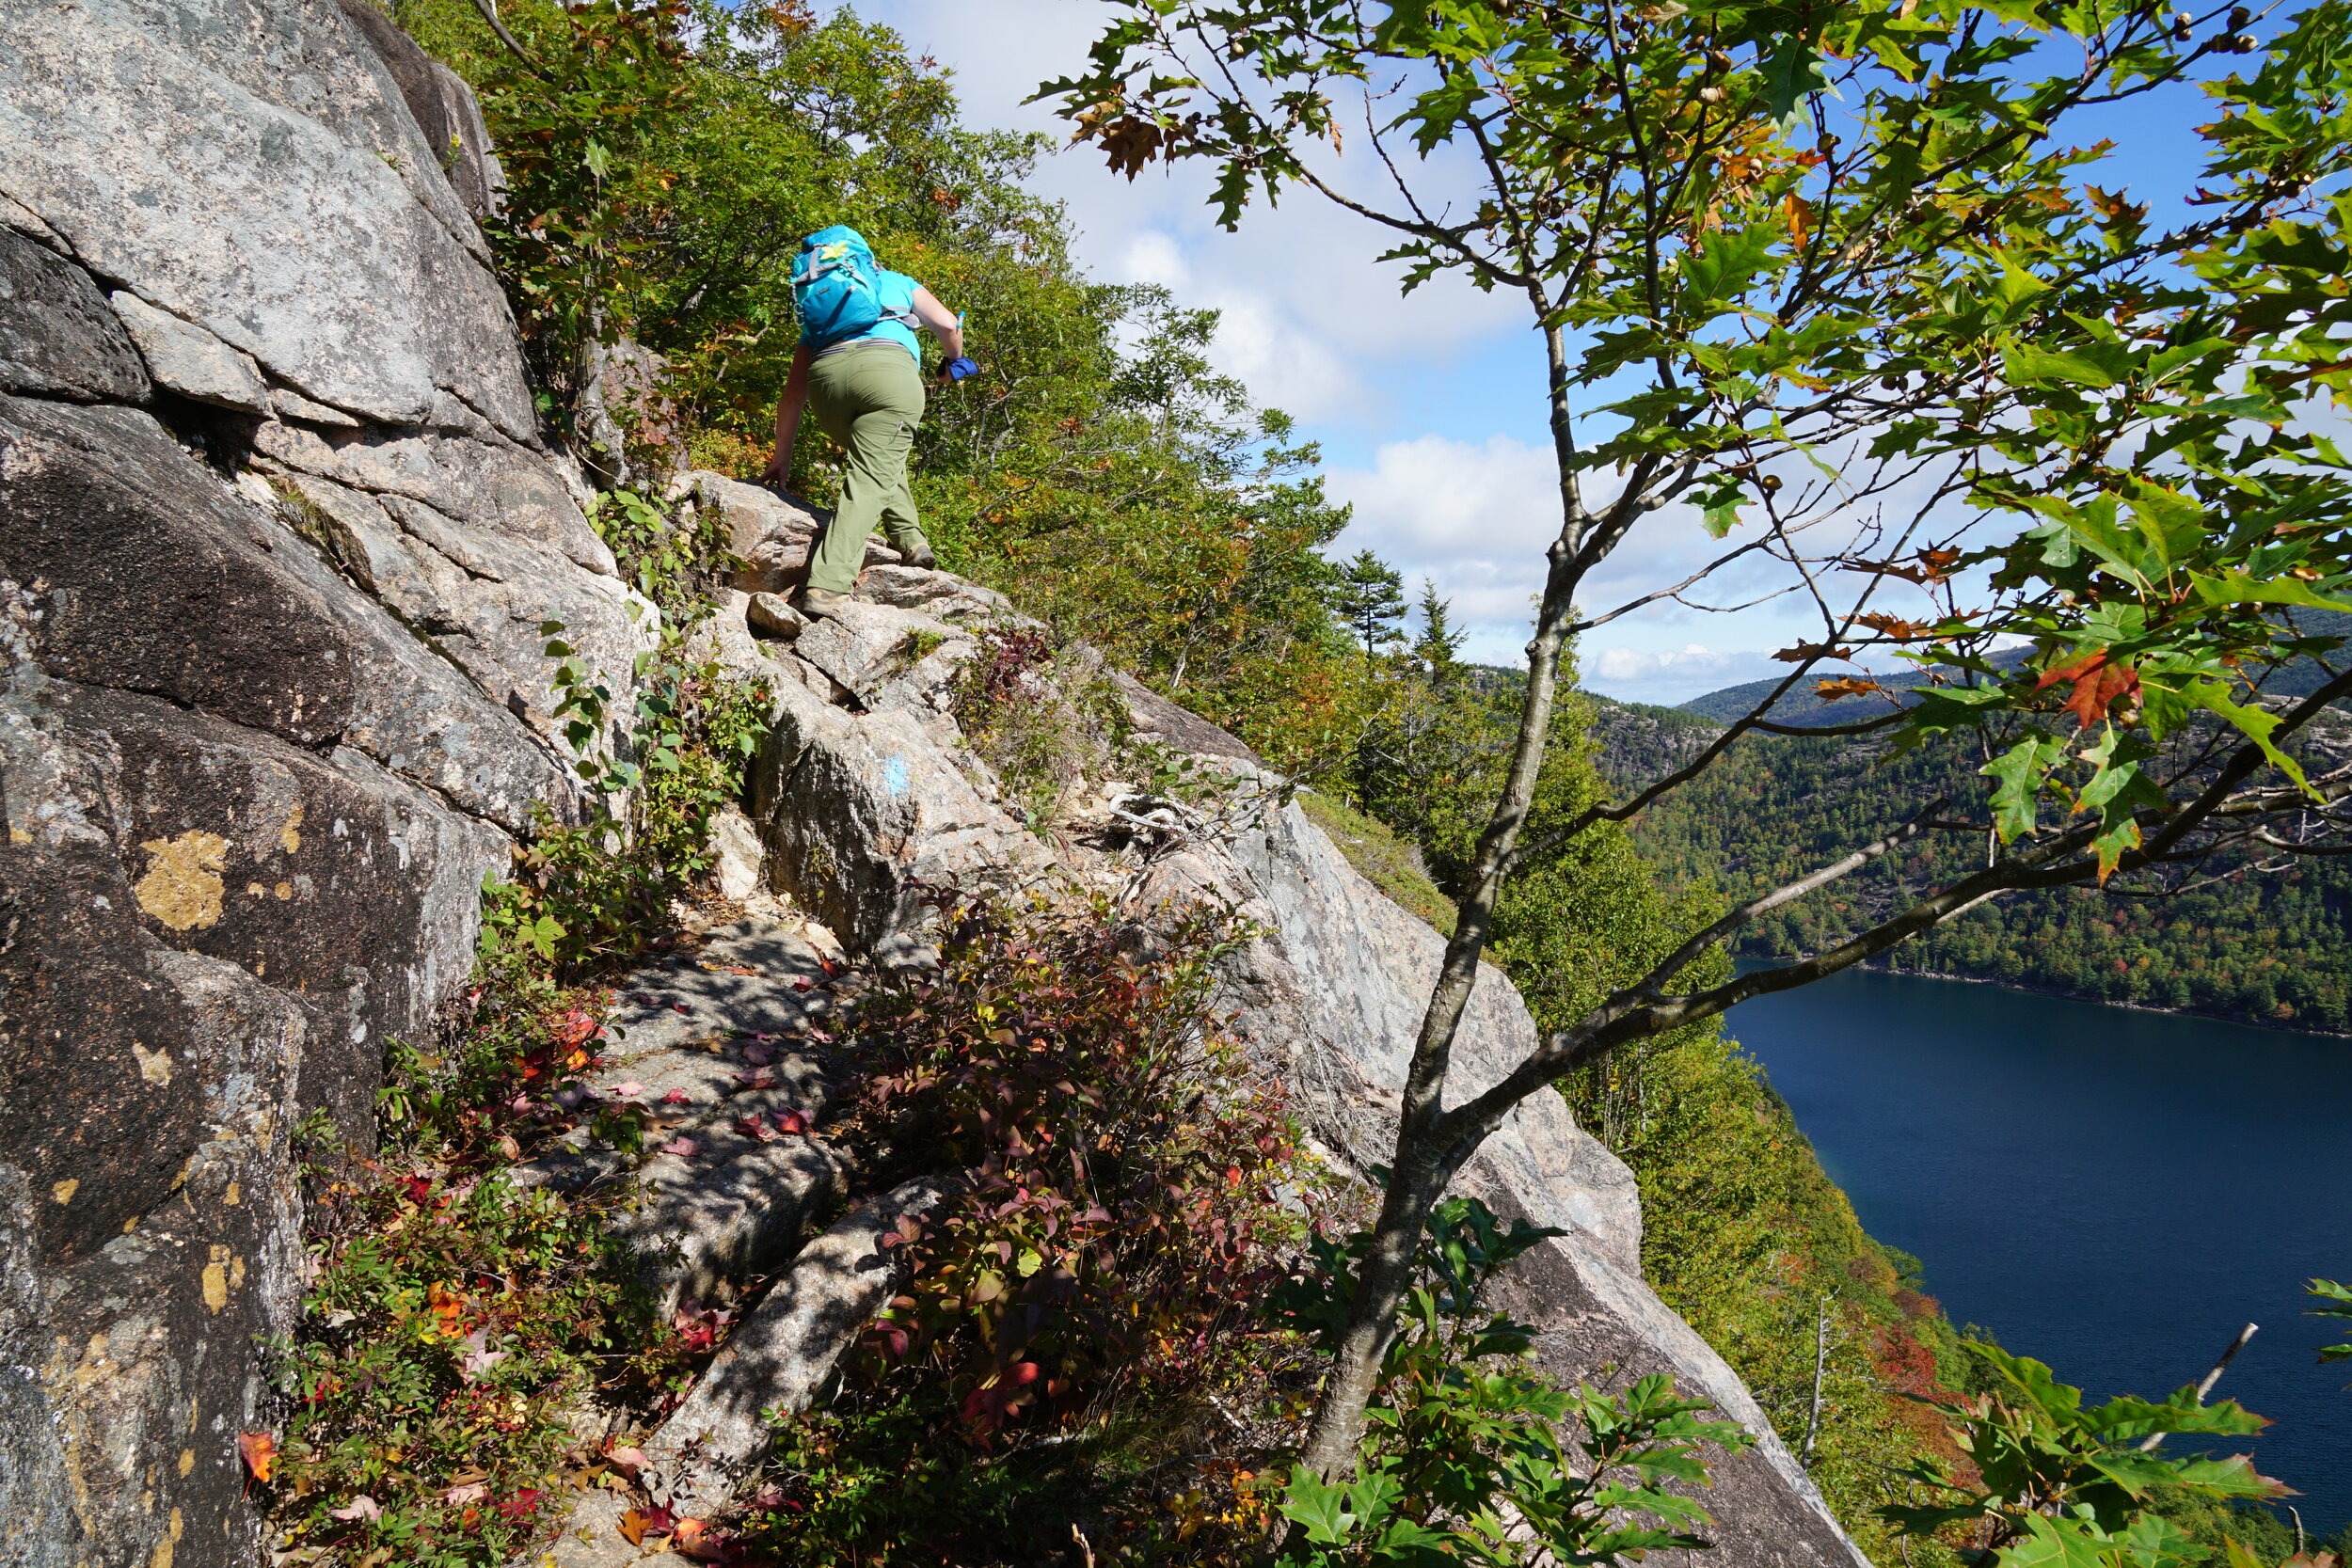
(2112, 1192)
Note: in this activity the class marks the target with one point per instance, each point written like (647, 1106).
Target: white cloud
(1312, 324)
(1670, 676)
(1472, 519)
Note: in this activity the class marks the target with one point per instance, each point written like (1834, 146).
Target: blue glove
(959, 369)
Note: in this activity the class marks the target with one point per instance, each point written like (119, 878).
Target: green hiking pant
(869, 397)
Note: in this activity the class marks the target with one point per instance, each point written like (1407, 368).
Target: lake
(2112, 1192)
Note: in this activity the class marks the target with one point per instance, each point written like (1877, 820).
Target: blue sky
(1430, 410)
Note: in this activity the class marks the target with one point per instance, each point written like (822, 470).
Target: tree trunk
(604, 454)
(1428, 1148)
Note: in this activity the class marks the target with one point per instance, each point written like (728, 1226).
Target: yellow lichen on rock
(289, 836)
(216, 1279)
(154, 1065)
(181, 887)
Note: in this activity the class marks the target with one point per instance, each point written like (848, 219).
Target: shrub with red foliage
(1125, 1168)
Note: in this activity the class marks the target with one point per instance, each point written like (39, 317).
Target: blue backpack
(837, 288)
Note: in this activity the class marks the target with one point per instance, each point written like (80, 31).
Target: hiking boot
(921, 556)
(820, 601)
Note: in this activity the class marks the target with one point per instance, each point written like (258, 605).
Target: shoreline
(2287, 1027)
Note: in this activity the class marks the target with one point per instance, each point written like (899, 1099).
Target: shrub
(1061, 1356)
(1042, 715)
(1470, 1457)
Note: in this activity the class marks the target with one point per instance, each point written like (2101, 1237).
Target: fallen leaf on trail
(739, 969)
(361, 1506)
(471, 1491)
(676, 1096)
(696, 1538)
(680, 1147)
(639, 1523)
(792, 1121)
(522, 1505)
(260, 1452)
(628, 1460)
(803, 984)
(628, 1090)
(755, 1129)
(508, 1147)
(758, 1055)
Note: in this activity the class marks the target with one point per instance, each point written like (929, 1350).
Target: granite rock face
(58, 338)
(278, 531)
(251, 167)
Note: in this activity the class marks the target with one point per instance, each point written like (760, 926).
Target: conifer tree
(1370, 599)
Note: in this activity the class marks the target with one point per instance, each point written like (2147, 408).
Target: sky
(1429, 409)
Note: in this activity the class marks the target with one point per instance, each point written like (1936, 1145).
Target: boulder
(738, 858)
(865, 647)
(772, 615)
(938, 593)
(188, 360)
(769, 533)
(58, 336)
(861, 812)
(250, 167)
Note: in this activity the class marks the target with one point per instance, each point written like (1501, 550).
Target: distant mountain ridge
(1802, 705)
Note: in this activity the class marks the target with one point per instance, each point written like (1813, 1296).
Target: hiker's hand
(956, 370)
(779, 468)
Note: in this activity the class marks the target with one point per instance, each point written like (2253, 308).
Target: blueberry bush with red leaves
(1079, 1328)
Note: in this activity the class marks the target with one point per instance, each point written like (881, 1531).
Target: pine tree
(1437, 649)
(1370, 599)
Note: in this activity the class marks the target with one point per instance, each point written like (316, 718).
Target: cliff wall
(276, 529)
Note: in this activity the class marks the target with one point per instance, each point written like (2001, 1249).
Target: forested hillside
(2271, 945)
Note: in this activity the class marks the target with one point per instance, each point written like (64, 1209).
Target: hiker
(862, 364)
